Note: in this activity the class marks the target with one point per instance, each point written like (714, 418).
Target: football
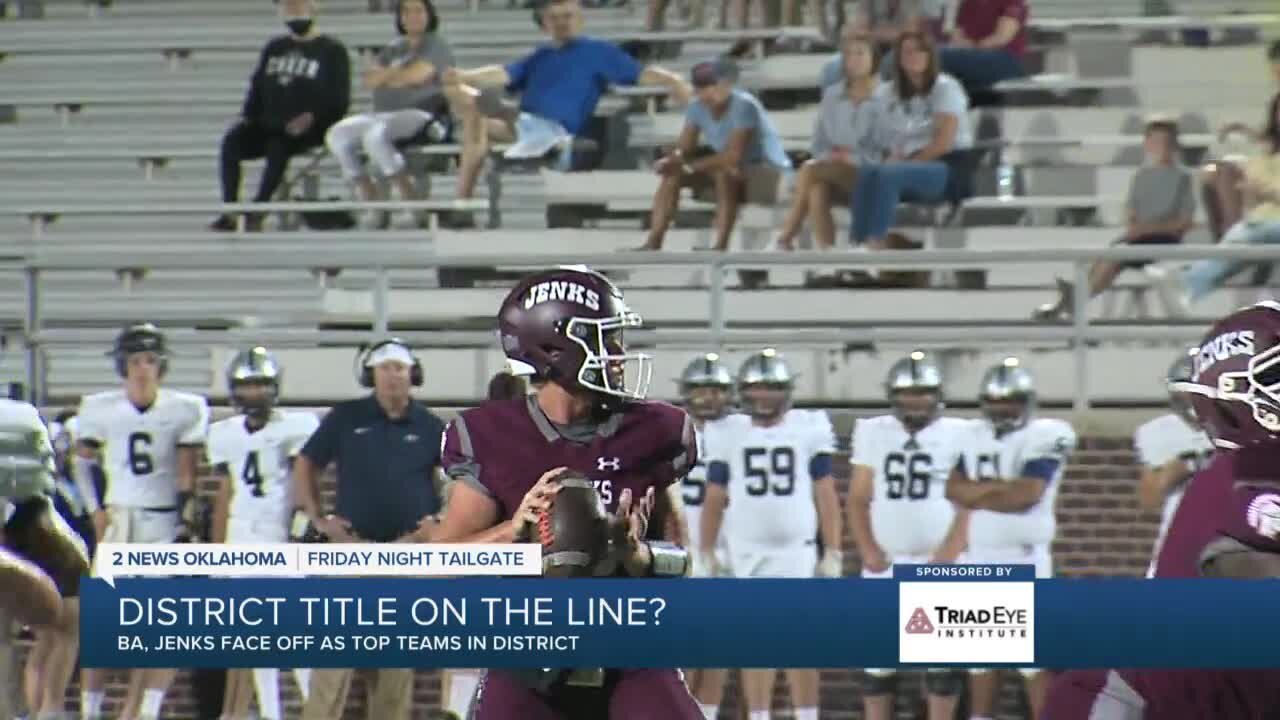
(574, 530)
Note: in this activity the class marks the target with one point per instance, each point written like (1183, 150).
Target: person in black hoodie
(300, 88)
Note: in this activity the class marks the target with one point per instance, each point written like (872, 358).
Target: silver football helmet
(765, 384)
(253, 380)
(914, 388)
(706, 387)
(1007, 395)
(1182, 371)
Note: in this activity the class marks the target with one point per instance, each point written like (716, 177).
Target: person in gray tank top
(408, 103)
(1160, 209)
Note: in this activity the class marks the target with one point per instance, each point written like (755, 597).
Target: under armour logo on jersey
(911, 444)
(613, 463)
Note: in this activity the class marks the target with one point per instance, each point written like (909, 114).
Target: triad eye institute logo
(966, 622)
(997, 622)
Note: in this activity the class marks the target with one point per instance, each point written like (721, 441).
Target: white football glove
(831, 565)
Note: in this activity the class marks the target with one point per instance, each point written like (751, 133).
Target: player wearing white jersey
(252, 453)
(1017, 461)
(706, 387)
(1171, 449)
(769, 482)
(148, 440)
(898, 509)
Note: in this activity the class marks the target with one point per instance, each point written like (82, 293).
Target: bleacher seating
(110, 119)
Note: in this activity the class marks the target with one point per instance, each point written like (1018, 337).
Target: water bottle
(1005, 179)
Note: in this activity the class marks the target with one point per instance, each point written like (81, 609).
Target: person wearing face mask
(299, 89)
(387, 448)
(898, 511)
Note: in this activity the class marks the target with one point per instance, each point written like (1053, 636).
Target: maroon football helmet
(566, 326)
(1235, 382)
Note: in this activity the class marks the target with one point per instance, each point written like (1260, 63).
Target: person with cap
(560, 83)
(728, 152)
(387, 450)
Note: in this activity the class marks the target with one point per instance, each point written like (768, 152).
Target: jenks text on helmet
(1226, 345)
(562, 290)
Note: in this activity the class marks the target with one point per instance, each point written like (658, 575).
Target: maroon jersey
(501, 448)
(1217, 502)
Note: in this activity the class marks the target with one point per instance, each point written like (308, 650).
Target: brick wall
(1101, 532)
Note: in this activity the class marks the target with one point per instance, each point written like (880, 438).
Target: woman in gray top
(845, 135)
(407, 100)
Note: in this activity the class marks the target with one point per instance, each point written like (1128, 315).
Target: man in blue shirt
(560, 83)
(743, 160)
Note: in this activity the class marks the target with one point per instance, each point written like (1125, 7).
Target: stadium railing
(36, 261)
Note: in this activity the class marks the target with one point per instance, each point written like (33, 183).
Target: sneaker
(1170, 289)
(1056, 310)
(223, 223)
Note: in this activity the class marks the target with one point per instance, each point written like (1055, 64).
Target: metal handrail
(1078, 334)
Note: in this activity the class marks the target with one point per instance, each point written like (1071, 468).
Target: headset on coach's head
(364, 371)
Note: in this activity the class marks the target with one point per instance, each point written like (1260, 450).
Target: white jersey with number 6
(258, 464)
(693, 491)
(1041, 445)
(910, 512)
(770, 489)
(1163, 439)
(139, 446)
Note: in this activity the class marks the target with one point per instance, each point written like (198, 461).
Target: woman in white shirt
(928, 121)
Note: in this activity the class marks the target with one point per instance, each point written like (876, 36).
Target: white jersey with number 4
(140, 446)
(771, 504)
(1166, 438)
(693, 491)
(258, 464)
(1005, 458)
(910, 512)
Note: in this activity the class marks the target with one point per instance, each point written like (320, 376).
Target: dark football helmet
(765, 384)
(914, 387)
(1235, 380)
(1181, 371)
(143, 337)
(254, 367)
(1007, 395)
(566, 326)
(706, 386)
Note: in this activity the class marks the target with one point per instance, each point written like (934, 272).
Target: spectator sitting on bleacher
(1161, 208)
(1223, 201)
(885, 20)
(846, 135)
(1260, 226)
(928, 124)
(743, 159)
(560, 83)
(408, 104)
(300, 88)
(987, 44)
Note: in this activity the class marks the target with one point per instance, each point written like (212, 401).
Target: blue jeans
(880, 188)
(980, 68)
(1204, 276)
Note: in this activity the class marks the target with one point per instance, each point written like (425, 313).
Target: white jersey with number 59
(258, 464)
(910, 512)
(140, 446)
(771, 504)
(1038, 448)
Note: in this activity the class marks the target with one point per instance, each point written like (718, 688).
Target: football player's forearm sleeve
(718, 472)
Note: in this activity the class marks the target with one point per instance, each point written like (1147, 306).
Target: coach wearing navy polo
(387, 450)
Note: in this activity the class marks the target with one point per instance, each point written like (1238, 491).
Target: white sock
(758, 715)
(709, 712)
(91, 704)
(267, 683)
(462, 687)
(806, 713)
(303, 676)
(152, 700)
(981, 717)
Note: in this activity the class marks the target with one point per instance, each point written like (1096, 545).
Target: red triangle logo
(919, 623)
